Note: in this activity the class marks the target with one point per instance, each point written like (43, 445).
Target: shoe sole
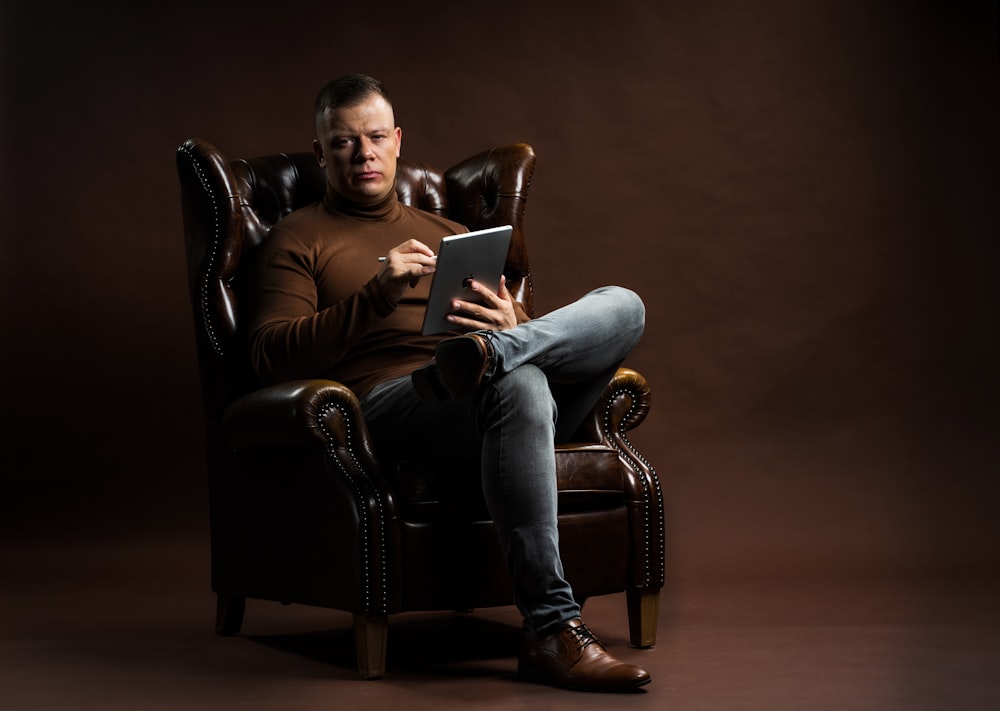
(542, 678)
(462, 359)
(427, 383)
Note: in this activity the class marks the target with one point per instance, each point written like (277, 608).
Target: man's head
(357, 139)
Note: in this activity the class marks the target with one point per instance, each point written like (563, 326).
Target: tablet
(479, 255)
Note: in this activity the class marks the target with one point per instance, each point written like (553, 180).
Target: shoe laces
(491, 351)
(584, 637)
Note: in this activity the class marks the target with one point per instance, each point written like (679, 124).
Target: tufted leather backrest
(229, 207)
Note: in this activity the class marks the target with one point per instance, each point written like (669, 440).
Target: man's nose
(364, 149)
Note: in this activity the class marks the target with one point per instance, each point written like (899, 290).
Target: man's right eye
(343, 142)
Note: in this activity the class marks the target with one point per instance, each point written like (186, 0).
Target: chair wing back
(491, 189)
(229, 207)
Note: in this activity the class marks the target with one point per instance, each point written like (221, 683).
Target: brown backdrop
(804, 194)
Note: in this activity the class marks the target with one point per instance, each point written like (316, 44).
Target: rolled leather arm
(321, 413)
(622, 407)
(323, 417)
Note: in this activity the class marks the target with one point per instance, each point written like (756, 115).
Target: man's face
(358, 145)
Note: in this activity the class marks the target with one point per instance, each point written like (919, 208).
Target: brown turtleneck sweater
(318, 309)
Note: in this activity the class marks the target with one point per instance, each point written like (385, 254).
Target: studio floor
(128, 624)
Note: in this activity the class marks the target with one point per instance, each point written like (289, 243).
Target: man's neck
(379, 210)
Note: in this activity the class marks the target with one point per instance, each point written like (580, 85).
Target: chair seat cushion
(588, 479)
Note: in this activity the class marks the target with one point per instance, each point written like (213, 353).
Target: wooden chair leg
(229, 611)
(370, 633)
(643, 611)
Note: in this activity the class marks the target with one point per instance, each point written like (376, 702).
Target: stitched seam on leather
(634, 457)
(363, 511)
(660, 529)
(212, 256)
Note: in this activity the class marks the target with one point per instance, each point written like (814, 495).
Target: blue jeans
(550, 372)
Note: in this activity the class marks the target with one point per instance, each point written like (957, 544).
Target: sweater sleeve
(291, 334)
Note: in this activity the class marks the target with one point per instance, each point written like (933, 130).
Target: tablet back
(476, 255)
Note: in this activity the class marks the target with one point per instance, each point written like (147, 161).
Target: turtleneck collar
(381, 210)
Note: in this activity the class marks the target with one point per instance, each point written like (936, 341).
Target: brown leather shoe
(573, 658)
(460, 366)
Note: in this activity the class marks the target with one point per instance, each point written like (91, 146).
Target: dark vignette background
(805, 194)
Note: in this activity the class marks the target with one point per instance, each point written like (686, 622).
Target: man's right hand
(404, 267)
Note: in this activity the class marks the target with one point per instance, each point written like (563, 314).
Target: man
(504, 392)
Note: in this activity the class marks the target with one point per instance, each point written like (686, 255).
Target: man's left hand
(494, 312)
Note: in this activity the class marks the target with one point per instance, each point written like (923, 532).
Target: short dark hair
(349, 90)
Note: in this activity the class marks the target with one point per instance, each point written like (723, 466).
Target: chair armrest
(308, 438)
(622, 407)
(321, 413)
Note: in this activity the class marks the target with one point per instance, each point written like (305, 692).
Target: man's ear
(318, 150)
(399, 139)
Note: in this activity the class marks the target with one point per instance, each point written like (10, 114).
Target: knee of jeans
(526, 390)
(633, 304)
(629, 304)
(630, 309)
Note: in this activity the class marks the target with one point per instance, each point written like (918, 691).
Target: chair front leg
(229, 611)
(643, 614)
(370, 634)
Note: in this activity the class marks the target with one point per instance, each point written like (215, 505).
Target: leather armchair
(302, 511)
